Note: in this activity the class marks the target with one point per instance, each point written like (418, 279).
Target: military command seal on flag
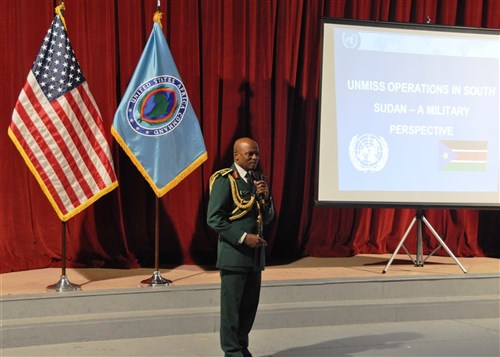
(157, 106)
(155, 123)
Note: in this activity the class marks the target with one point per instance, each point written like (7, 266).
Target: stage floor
(360, 266)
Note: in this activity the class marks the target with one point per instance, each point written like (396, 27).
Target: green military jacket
(233, 210)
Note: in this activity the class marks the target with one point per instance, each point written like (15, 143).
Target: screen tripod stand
(419, 261)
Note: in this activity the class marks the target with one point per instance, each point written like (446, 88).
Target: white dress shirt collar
(241, 171)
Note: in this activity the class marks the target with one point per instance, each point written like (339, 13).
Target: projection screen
(408, 115)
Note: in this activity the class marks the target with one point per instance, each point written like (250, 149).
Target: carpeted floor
(361, 266)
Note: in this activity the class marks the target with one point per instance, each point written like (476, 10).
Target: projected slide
(409, 116)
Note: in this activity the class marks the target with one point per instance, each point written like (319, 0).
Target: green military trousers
(240, 291)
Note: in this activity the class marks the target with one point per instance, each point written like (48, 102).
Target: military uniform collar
(241, 171)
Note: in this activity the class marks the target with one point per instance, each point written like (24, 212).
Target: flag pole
(156, 279)
(36, 104)
(64, 284)
(156, 78)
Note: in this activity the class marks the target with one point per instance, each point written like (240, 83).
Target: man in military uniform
(239, 206)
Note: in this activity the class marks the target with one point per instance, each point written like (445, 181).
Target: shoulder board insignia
(223, 172)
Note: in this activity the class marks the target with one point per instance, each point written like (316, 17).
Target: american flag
(57, 128)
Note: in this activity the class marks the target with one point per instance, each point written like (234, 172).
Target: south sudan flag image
(463, 155)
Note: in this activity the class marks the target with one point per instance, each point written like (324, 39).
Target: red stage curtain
(251, 69)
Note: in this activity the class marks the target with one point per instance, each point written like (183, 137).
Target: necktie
(250, 178)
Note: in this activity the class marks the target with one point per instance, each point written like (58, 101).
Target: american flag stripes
(57, 128)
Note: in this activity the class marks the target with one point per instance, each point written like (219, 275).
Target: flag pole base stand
(64, 285)
(156, 280)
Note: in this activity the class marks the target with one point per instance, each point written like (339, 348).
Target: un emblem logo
(351, 39)
(157, 106)
(368, 152)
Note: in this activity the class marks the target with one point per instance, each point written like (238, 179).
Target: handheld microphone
(257, 176)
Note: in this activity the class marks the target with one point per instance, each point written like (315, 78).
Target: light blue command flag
(155, 123)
